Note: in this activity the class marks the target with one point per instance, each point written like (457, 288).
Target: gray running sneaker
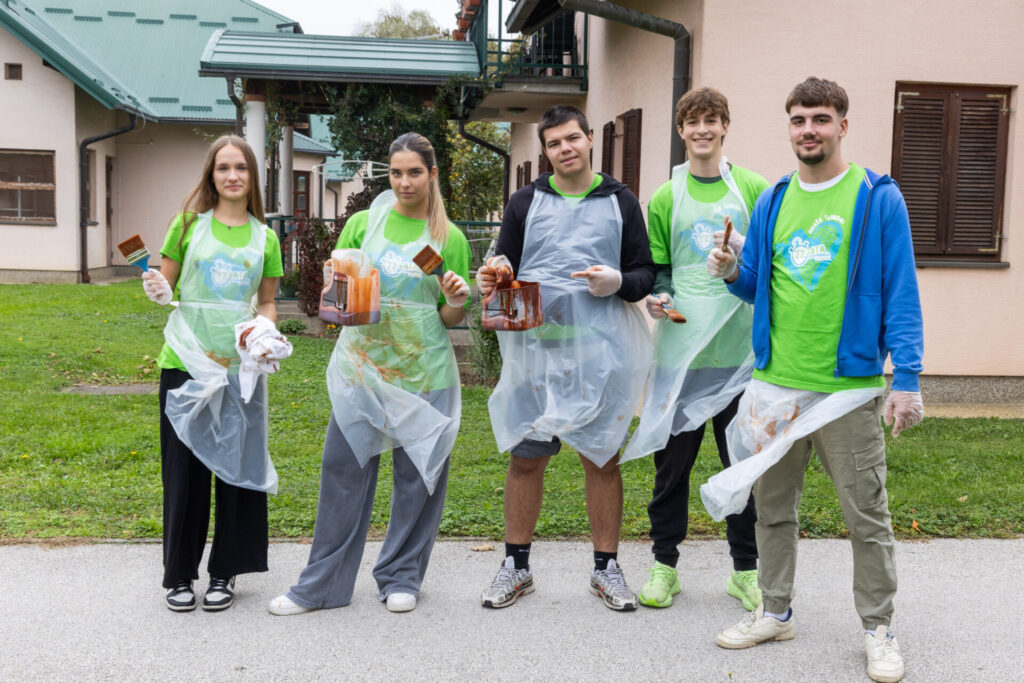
(610, 586)
(507, 586)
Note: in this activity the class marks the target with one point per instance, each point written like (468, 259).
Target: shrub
(290, 326)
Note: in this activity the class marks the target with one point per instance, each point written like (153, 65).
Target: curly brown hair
(702, 101)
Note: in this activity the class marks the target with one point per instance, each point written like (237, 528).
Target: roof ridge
(267, 10)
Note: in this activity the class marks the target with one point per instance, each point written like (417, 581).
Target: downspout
(83, 189)
(239, 107)
(649, 22)
(506, 157)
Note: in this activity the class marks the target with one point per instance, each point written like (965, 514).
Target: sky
(341, 17)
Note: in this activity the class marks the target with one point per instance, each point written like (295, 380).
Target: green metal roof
(152, 47)
(304, 143)
(337, 58)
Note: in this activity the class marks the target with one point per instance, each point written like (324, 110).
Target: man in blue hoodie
(828, 264)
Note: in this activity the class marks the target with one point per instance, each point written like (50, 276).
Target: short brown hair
(702, 101)
(559, 114)
(818, 92)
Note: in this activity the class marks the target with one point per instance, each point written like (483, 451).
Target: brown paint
(512, 305)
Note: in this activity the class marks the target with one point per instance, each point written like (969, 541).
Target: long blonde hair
(204, 197)
(437, 217)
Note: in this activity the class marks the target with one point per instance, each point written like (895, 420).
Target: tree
(476, 175)
(397, 23)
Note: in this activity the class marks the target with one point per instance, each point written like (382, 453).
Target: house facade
(933, 89)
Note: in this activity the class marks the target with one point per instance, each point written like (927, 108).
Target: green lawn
(81, 465)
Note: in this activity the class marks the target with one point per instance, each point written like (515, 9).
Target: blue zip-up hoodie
(882, 315)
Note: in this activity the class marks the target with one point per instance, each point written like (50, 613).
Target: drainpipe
(83, 189)
(506, 158)
(649, 22)
(237, 102)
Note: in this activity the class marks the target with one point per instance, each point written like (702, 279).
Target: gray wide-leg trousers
(343, 519)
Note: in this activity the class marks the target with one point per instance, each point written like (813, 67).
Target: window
(949, 157)
(300, 193)
(27, 187)
(12, 72)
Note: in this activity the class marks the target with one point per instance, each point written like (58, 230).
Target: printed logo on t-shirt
(225, 273)
(702, 235)
(807, 254)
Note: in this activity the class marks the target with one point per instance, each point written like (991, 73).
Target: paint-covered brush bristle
(429, 261)
(135, 252)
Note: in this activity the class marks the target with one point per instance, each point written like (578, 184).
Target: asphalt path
(96, 612)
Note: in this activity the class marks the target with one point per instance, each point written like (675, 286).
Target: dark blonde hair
(437, 217)
(818, 92)
(204, 197)
(702, 101)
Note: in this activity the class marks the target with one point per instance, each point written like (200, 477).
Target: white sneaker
(283, 606)
(755, 628)
(401, 602)
(885, 663)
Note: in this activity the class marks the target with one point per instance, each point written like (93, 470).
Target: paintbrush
(429, 261)
(728, 233)
(673, 315)
(135, 252)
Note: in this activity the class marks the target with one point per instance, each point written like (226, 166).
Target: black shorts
(530, 449)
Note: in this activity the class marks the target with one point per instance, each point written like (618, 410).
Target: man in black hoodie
(577, 378)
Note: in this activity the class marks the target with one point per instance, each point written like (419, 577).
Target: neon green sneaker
(743, 587)
(662, 584)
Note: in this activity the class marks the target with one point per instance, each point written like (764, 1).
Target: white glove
(736, 241)
(721, 263)
(156, 287)
(456, 291)
(903, 410)
(601, 280)
(656, 304)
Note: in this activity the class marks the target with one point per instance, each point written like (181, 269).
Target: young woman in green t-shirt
(393, 385)
(219, 255)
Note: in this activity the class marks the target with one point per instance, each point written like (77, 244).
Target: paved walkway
(95, 612)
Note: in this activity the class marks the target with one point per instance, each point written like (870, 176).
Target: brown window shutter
(976, 197)
(917, 166)
(528, 172)
(608, 149)
(519, 176)
(949, 157)
(632, 120)
(543, 165)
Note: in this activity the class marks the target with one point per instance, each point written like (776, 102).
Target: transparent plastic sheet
(769, 420)
(702, 365)
(207, 412)
(380, 376)
(579, 376)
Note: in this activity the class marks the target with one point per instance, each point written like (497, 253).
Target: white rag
(264, 348)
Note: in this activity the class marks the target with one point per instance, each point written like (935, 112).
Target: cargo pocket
(869, 488)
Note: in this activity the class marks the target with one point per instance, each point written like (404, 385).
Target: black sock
(520, 554)
(601, 560)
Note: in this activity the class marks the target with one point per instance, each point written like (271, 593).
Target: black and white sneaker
(219, 595)
(181, 598)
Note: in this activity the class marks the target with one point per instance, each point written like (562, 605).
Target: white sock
(781, 617)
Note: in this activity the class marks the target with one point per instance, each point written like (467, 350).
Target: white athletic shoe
(401, 602)
(755, 628)
(885, 663)
(283, 606)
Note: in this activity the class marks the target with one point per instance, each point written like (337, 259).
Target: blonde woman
(393, 385)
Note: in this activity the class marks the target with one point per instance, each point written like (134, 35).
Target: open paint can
(512, 305)
(351, 295)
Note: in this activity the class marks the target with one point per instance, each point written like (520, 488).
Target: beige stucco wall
(92, 118)
(38, 113)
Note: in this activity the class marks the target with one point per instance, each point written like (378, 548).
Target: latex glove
(486, 280)
(736, 241)
(601, 280)
(156, 287)
(656, 304)
(456, 291)
(721, 263)
(903, 410)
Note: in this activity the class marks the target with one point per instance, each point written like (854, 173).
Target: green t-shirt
(402, 230)
(575, 199)
(659, 209)
(233, 236)
(810, 268)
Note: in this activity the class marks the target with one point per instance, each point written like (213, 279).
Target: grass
(87, 465)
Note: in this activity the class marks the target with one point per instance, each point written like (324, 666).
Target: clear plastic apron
(217, 285)
(702, 365)
(769, 420)
(580, 375)
(380, 375)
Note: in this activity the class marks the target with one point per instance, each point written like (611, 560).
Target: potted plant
(289, 284)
